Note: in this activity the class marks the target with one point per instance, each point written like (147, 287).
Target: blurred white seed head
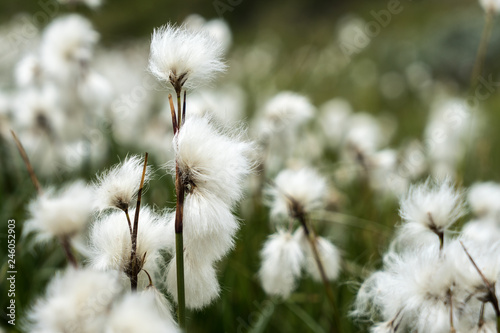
(282, 258)
(184, 57)
(75, 301)
(212, 162)
(28, 71)
(285, 112)
(118, 186)
(200, 281)
(493, 5)
(67, 46)
(335, 115)
(484, 200)
(328, 253)
(484, 231)
(63, 213)
(432, 206)
(138, 313)
(110, 240)
(305, 187)
(93, 4)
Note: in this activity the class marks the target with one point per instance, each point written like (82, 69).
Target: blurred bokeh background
(422, 53)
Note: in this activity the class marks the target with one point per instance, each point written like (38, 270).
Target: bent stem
(66, 245)
(483, 46)
(134, 265)
(311, 238)
(26, 160)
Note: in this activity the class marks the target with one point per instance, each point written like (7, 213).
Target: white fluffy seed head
(110, 241)
(192, 58)
(138, 313)
(118, 187)
(63, 213)
(75, 301)
(285, 112)
(484, 200)
(200, 281)
(305, 186)
(67, 45)
(209, 227)
(328, 253)
(432, 206)
(282, 258)
(488, 5)
(212, 162)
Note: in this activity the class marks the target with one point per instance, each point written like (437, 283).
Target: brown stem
(172, 113)
(311, 237)
(26, 160)
(128, 220)
(184, 107)
(134, 269)
(67, 251)
(492, 298)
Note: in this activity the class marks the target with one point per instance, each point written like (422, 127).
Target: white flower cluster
(296, 194)
(428, 286)
(213, 165)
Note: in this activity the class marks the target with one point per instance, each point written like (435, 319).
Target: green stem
(181, 299)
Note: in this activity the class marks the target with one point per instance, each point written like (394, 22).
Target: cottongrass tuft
(63, 213)
(431, 206)
(200, 280)
(75, 301)
(111, 245)
(185, 58)
(282, 260)
(118, 187)
(305, 187)
(138, 313)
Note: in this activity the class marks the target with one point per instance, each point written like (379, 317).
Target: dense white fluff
(179, 54)
(282, 258)
(212, 162)
(118, 187)
(67, 46)
(75, 301)
(484, 200)
(328, 254)
(285, 111)
(111, 243)
(412, 287)
(490, 5)
(63, 213)
(200, 281)
(139, 313)
(209, 226)
(485, 256)
(485, 231)
(305, 186)
(433, 206)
